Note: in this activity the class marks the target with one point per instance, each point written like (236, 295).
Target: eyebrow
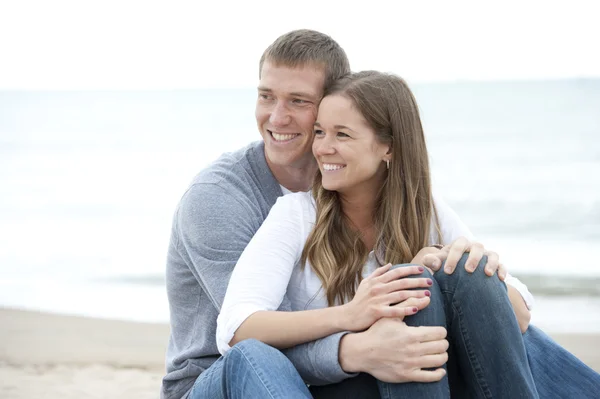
(293, 94)
(317, 124)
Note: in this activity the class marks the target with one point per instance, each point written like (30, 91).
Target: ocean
(89, 181)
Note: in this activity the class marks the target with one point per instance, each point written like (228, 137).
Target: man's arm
(213, 228)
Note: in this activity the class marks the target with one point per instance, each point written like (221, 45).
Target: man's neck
(295, 178)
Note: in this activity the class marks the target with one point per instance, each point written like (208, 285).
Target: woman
(371, 205)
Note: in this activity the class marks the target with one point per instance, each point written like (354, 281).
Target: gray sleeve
(214, 226)
(318, 361)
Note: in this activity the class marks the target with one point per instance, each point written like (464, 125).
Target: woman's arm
(261, 276)
(372, 301)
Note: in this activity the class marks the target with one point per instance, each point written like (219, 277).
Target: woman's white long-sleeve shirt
(270, 264)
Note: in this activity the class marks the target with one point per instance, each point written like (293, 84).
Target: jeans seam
(472, 358)
(256, 371)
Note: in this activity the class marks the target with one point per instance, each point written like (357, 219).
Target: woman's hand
(385, 287)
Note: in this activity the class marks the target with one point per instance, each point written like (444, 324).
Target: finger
(433, 347)
(502, 271)
(380, 270)
(475, 255)
(398, 297)
(427, 375)
(398, 312)
(400, 272)
(408, 283)
(427, 334)
(431, 361)
(457, 249)
(492, 263)
(434, 261)
(419, 303)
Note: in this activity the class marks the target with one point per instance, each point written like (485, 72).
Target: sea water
(89, 181)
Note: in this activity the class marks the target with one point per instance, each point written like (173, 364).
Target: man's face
(286, 109)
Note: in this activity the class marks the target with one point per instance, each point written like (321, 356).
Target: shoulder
(239, 180)
(297, 206)
(297, 200)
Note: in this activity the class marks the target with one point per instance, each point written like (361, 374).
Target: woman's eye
(318, 132)
(342, 134)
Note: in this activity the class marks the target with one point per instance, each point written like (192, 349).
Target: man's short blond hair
(306, 47)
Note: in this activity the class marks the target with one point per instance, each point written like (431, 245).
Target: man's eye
(264, 96)
(299, 101)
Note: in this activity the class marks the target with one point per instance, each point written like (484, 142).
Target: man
(219, 214)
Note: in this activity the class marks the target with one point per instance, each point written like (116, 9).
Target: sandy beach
(52, 356)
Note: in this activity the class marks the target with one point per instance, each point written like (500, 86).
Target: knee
(252, 352)
(476, 280)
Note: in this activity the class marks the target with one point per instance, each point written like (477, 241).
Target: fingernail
(429, 282)
(447, 270)
(421, 269)
(415, 310)
(427, 293)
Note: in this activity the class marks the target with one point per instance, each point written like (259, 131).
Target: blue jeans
(487, 357)
(556, 372)
(250, 369)
(486, 354)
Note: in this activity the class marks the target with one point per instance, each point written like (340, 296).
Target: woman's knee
(472, 281)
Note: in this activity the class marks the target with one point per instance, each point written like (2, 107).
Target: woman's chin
(331, 187)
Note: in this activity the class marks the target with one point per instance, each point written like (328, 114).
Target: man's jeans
(250, 369)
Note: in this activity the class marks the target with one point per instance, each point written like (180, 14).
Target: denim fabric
(432, 315)
(556, 372)
(487, 356)
(250, 369)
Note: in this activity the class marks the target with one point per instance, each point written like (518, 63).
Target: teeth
(282, 137)
(329, 166)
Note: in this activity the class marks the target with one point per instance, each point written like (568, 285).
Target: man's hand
(392, 351)
(453, 252)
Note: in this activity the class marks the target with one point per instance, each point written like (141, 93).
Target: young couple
(339, 284)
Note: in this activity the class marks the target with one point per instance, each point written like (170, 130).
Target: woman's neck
(359, 208)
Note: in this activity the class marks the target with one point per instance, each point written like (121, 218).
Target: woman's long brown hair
(404, 207)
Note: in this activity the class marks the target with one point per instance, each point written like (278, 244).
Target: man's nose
(280, 115)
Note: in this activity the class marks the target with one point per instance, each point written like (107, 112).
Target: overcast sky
(125, 44)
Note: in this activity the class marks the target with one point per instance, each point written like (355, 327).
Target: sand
(52, 356)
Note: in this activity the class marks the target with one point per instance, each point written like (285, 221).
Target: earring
(387, 161)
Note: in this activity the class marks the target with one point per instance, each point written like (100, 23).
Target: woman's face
(350, 157)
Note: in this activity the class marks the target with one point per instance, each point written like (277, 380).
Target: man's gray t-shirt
(216, 218)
